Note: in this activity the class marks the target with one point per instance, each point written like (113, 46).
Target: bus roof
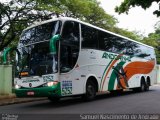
(88, 24)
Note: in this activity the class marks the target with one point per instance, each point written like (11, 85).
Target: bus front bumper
(53, 91)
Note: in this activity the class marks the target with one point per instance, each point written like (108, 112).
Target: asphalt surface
(124, 103)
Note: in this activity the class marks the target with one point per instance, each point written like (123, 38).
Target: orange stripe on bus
(137, 68)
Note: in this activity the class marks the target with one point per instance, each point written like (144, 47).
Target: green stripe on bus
(113, 76)
(104, 73)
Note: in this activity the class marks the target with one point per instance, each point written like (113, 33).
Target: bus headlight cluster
(52, 83)
(17, 86)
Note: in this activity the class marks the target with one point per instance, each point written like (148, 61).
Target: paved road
(125, 103)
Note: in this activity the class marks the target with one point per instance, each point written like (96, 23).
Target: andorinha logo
(116, 57)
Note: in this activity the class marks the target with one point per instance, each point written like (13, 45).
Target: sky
(138, 19)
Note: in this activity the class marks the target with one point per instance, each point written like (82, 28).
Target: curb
(11, 99)
(9, 96)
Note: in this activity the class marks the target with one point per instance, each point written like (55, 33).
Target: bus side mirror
(5, 54)
(52, 44)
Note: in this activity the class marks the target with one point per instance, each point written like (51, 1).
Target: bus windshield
(35, 58)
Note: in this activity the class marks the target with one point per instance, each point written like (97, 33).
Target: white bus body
(96, 61)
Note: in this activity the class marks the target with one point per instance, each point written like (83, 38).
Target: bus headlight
(52, 83)
(17, 86)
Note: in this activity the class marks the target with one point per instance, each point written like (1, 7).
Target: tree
(18, 14)
(153, 39)
(15, 16)
(86, 10)
(127, 4)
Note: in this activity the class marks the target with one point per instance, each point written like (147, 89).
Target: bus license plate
(30, 93)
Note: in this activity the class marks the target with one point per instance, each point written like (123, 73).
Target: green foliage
(153, 39)
(13, 20)
(127, 4)
(86, 10)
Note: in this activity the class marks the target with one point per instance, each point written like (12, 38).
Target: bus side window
(71, 32)
(69, 46)
(89, 37)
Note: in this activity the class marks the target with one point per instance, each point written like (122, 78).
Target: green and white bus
(67, 57)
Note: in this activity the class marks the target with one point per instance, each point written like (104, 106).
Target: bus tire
(54, 99)
(90, 91)
(147, 87)
(147, 84)
(143, 85)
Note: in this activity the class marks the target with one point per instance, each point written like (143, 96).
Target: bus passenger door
(69, 52)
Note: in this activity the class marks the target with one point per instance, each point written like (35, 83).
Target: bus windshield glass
(35, 58)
